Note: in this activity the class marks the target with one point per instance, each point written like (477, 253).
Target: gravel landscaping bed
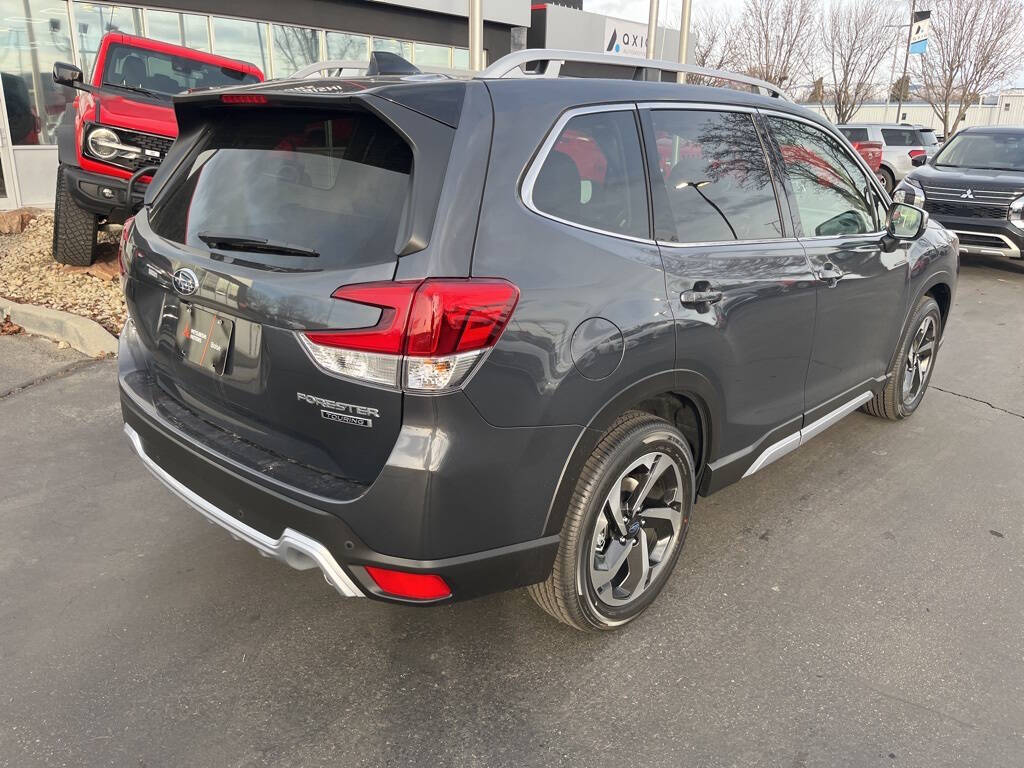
(28, 274)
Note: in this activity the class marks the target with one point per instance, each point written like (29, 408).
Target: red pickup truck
(120, 125)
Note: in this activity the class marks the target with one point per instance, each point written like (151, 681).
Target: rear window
(855, 134)
(164, 73)
(928, 137)
(334, 184)
(902, 137)
(594, 175)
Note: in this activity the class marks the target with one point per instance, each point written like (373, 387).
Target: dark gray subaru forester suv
(444, 337)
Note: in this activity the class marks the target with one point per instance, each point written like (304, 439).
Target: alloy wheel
(637, 528)
(918, 363)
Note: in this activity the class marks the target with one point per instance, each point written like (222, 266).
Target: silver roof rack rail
(336, 68)
(551, 61)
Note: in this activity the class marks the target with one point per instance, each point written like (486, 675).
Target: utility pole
(476, 35)
(684, 37)
(652, 29)
(906, 60)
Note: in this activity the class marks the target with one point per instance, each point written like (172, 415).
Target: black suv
(975, 187)
(445, 337)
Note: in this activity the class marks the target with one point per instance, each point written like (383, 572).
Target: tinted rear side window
(902, 137)
(594, 175)
(712, 182)
(333, 183)
(855, 134)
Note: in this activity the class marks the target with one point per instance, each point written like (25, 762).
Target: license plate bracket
(204, 337)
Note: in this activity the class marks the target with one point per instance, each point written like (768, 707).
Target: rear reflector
(413, 586)
(429, 335)
(243, 98)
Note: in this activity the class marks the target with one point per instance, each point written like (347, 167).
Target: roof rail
(514, 65)
(336, 67)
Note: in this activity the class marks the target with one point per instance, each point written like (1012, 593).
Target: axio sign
(625, 38)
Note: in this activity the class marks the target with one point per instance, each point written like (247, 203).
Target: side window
(855, 134)
(594, 175)
(831, 192)
(711, 183)
(902, 137)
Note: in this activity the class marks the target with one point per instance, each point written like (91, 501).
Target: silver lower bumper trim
(1008, 249)
(294, 548)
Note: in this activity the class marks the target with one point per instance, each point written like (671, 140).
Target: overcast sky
(637, 10)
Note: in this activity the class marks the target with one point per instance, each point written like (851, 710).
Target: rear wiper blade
(261, 244)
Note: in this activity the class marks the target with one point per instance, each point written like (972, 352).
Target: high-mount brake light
(243, 98)
(428, 338)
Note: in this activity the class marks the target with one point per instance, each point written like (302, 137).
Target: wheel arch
(684, 398)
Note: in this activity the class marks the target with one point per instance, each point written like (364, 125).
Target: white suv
(902, 145)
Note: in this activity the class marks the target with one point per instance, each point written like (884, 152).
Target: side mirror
(918, 160)
(904, 222)
(67, 74)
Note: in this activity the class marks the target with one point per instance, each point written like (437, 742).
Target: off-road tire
(74, 230)
(889, 404)
(632, 435)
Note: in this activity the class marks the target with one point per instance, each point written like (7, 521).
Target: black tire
(891, 403)
(568, 593)
(74, 230)
(888, 179)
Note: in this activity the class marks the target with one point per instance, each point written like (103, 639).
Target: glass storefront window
(186, 29)
(33, 35)
(294, 48)
(432, 55)
(460, 58)
(401, 47)
(94, 21)
(341, 45)
(243, 40)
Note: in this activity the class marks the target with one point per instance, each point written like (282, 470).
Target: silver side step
(776, 451)
(294, 548)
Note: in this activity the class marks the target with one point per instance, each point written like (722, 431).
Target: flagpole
(906, 61)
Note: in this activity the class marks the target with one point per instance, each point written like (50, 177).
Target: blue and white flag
(922, 27)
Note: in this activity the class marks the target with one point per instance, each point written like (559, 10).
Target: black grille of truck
(145, 141)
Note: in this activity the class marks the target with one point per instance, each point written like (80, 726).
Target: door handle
(701, 296)
(831, 274)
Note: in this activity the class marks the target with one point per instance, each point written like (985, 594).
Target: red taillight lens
(243, 98)
(453, 316)
(916, 153)
(438, 328)
(414, 586)
(388, 335)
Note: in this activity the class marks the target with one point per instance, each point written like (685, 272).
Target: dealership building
(278, 37)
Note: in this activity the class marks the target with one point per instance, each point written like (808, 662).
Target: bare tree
(714, 38)
(974, 47)
(776, 40)
(856, 36)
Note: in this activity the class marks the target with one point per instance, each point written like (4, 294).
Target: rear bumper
(306, 534)
(102, 195)
(985, 237)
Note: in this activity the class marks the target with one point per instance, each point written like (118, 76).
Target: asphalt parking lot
(859, 603)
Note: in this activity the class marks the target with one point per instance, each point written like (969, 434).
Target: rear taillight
(412, 586)
(429, 336)
(916, 153)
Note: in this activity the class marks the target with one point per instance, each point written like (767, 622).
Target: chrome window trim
(707, 106)
(719, 243)
(533, 170)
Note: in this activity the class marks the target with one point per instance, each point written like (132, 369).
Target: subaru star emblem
(968, 195)
(185, 281)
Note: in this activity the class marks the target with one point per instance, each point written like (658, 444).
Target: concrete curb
(85, 335)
